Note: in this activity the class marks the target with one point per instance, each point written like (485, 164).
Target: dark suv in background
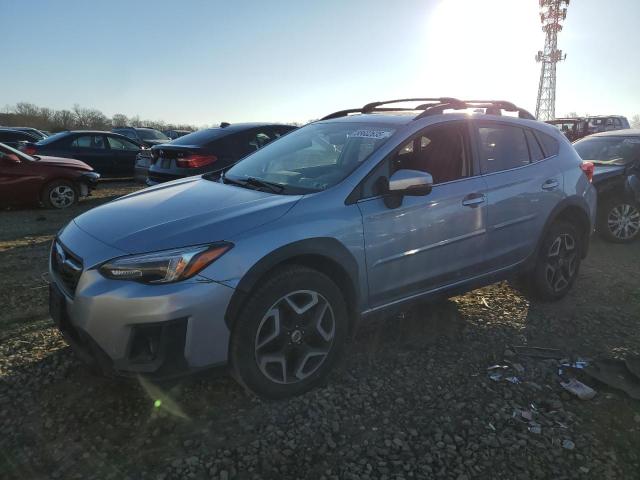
(210, 149)
(143, 135)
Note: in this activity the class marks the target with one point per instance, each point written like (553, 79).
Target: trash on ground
(568, 444)
(579, 389)
(538, 352)
(496, 377)
(513, 380)
(484, 302)
(525, 415)
(535, 428)
(498, 367)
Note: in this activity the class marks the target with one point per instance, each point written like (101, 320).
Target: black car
(143, 135)
(15, 138)
(616, 175)
(209, 150)
(108, 153)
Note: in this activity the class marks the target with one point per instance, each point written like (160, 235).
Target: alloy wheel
(62, 196)
(562, 262)
(623, 221)
(295, 337)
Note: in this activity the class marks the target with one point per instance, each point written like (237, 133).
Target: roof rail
(492, 107)
(435, 106)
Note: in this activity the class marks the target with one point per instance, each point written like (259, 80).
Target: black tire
(254, 333)
(60, 194)
(554, 274)
(612, 213)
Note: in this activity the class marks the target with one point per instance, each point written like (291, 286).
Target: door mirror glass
(410, 182)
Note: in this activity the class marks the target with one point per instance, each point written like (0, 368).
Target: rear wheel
(60, 194)
(558, 262)
(289, 334)
(619, 220)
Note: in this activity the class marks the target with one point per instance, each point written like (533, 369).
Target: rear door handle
(550, 184)
(473, 200)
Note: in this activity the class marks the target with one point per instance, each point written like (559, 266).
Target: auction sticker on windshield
(377, 134)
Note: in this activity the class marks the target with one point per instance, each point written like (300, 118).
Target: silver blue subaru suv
(266, 267)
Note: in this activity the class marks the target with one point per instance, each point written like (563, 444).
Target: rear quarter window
(550, 146)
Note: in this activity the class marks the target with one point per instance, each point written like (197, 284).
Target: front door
(428, 241)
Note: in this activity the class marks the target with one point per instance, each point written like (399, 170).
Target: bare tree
(119, 120)
(635, 121)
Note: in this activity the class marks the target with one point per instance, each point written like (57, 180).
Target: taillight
(195, 160)
(29, 149)
(587, 168)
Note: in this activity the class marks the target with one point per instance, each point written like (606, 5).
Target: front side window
(312, 158)
(89, 141)
(502, 147)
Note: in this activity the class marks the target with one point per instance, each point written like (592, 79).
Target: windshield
(313, 158)
(609, 150)
(7, 149)
(150, 134)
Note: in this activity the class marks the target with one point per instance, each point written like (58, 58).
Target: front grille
(66, 266)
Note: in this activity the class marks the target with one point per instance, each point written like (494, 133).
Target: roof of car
(628, 132)
(606, 116)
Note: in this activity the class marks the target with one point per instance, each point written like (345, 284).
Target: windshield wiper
(251, 182)
(256, 182)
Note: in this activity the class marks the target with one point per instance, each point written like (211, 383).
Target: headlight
(164, 267)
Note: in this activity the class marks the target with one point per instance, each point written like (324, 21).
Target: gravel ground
(411, 398)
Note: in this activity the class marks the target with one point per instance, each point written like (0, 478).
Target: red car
(55, 182)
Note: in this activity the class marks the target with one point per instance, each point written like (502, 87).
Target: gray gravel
(411, 399)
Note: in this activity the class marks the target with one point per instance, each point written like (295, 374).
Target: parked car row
(575, 128)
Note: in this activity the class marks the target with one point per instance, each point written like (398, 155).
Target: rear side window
(550, 146)
(534, 147)
(121, 144)
(89, 141)
(201, 137)
(502, 147)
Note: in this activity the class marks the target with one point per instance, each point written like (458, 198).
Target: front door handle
(550, 184)
(473, 200)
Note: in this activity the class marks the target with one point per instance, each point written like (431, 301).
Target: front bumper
(127, 328)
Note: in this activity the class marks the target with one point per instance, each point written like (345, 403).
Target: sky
(205, 61)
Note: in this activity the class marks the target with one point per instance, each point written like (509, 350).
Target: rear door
(123, 154)
(428, 241)
(522, 189)
(92, 149)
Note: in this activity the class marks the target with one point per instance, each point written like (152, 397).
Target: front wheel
(289, 334)
(60, 194)
(558, 262)
(619, 220)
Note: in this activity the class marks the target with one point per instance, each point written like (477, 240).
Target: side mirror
(406, 182)
(410, 182)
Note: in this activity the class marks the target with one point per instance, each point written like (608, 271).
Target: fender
(572, 202)
(328, 248)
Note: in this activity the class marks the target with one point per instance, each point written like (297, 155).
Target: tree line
(24, 114)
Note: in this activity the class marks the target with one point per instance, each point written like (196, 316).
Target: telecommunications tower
(552, 13)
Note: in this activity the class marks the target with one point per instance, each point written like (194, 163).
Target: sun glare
(483, 48)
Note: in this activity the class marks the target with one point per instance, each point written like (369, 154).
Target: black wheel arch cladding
(327, 255)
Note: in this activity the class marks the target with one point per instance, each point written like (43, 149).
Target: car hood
(185, 212)
(62, 162)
